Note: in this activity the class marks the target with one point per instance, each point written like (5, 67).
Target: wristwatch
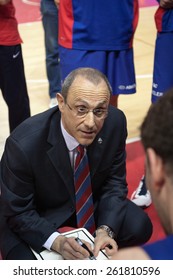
(110, 233)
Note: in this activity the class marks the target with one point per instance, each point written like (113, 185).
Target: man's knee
(143, 228)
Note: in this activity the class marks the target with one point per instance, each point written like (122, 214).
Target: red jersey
(9, 34)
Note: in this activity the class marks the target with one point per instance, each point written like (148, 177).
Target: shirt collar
(70, 141)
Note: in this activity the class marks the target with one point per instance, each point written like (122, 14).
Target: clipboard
(82, 233)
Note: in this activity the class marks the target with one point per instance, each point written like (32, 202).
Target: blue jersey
(164, 19)
(97, 24)
(160, 250)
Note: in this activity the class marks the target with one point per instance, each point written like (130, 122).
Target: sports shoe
(53, 102)
(141, 196)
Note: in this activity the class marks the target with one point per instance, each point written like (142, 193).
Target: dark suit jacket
(37, 177)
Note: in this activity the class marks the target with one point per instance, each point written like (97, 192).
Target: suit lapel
(95, 152)
(59, 155)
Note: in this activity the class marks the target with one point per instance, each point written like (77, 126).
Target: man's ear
(60, 99)
(156, 168)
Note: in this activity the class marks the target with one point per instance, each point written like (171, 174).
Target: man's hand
(166, 4)
(103, 241)
(70, 249)
(4, 2)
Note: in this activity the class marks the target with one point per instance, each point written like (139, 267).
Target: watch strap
(108, 230)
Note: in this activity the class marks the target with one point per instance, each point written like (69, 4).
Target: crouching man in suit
(38, 170)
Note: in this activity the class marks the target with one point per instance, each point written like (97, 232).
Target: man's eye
(81, 109)
(99, 111)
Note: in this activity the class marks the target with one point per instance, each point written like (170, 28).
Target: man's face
(84, 94)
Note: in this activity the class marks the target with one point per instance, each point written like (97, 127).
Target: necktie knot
(80, 154)
(80, 149)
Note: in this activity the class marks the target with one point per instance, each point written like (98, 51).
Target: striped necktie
(84, 200)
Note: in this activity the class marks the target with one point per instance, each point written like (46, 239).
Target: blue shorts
(118, 66)
(163, 65)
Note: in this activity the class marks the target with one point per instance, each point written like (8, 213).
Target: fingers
(73, 251)
(103, 241)
(111, 248)
(70, 249)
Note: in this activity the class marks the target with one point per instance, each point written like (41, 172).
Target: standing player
(99, 34)
(163, 61)
(162, 74)
(49, 11)
(12, 76)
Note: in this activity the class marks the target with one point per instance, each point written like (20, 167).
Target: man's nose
(89, 119)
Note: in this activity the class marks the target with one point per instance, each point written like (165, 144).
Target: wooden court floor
(134, 106)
